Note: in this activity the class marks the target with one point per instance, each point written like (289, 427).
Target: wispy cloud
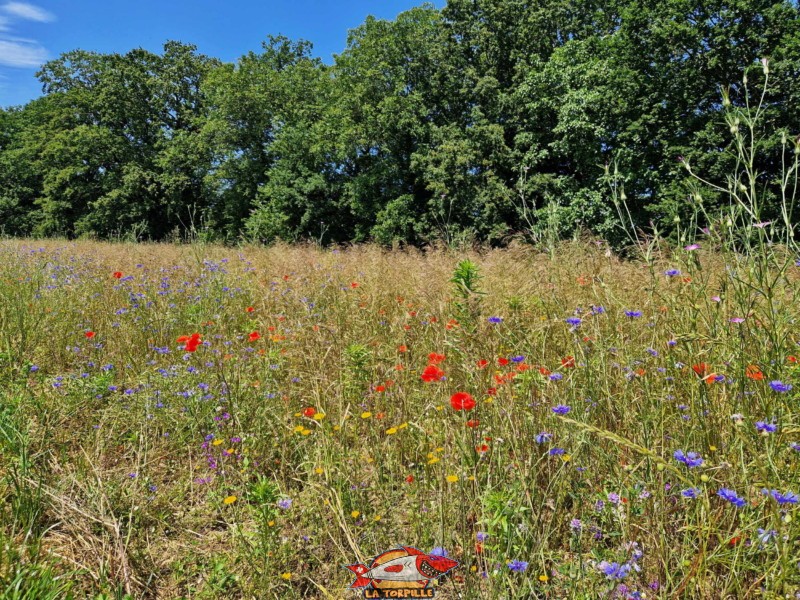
(14, 53)
(23, 10)
(20, 52)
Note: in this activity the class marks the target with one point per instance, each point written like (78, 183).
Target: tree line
(484, 120)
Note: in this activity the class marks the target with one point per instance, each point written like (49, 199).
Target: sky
(34, 32)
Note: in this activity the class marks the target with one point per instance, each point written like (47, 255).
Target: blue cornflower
(692, 459)
(672, 272)
(285, 503)
(764, 427)
(764, 536)
(795, 446)
(691, 493)
(574, 321)
(481, 536)
(556, 376)
(779, 386)
(517, 566)
(731, 497)
(561, 409)
(598, 310)
(34, 368)
(495, 319)
(556, 451)
(614, 570)
(785, 498)
(439, 551)
(543, 437)
(517, 359)
(575, 524)
(633, 314)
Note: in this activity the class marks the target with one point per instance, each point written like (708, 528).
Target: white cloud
(23, 10)
(21, 53)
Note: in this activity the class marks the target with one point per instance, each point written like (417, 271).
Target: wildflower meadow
(196, 421)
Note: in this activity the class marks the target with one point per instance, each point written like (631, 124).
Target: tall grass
(257, 465)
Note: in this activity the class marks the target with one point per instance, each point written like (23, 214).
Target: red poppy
(117, 274)
(354, 285)
(309, 412)
(473, 423)
(254, 336)
(502, 361)
(481, 449)
(478, 548)
(700, 369)
(492, 391)
(462, 401)
(191, 341)
(432, 373)
(434, 358)
(754, 373)
(482, 363)
(380, 388)
(544, 371)
(568, 362)
(522, 367)
(249, 309)
(410, 479)
(792, 359)
(451, 323)
(89, 334)
(402, 348)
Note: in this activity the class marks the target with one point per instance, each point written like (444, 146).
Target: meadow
(196, 421)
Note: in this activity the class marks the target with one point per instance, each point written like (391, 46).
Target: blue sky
(33, 32)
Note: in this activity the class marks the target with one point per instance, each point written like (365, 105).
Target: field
(194, 421)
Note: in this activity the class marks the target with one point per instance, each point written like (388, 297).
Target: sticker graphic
(404, 572)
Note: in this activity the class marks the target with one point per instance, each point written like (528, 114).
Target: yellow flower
(433, 461)
(544, 578)
(473, 569)
(402, 425)
(440, 449)
(298, 428)
(378, 518)
(452, 478)
(471, 478)
(297, 414)
(337, 427)
(319, 470)
(489, 400)
(229, 500)
(366, 414)
(391, 431)
(286, 576)
(355, 514)
(305, 431)
(319, 416)
(712, 448)
(440, 408)
(566, 457)
(217, 442)
(271, 523)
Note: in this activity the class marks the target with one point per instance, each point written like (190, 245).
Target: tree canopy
(479, 121)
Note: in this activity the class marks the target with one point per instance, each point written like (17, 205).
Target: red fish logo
(403, 568)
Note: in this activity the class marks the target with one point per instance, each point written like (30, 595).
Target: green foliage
(417, 133)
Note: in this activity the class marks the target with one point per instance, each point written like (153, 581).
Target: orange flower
(435, 359)
(754, 373)
(402, 348)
